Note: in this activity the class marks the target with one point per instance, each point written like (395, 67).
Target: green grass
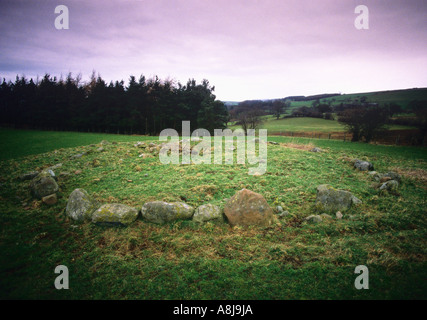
(19, 143)
(182, 260)
(302, 125)
(305, 124)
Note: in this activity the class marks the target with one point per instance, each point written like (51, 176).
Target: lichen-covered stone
(390, 185)
(392, 176)
(363, 165)
(332, 200)
(43, 185)
(375, 175)
(80, 205)
(314, 219)
(162, 212)
(115, 214)
(206, 213)
(247, 208)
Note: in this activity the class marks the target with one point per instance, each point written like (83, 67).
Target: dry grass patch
(305, 147)
(416, 174)
(205, 189)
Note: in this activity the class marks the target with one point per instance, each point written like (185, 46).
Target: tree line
(143, 106)
(367, 121)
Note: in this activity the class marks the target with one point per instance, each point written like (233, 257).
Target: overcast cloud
(248, 49)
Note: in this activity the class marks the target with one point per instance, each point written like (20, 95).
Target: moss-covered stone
(115, 214)
(363, 165)
(390, 185)
(207, 212)
(80, 205)
(161, 212)
(330, 199)
(43, 185)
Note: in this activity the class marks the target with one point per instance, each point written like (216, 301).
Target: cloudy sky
(247, 49)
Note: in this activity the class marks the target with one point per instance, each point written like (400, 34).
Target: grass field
(305, 124)
(292, 259)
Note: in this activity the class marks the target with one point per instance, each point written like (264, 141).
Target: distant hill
(401, 97)
(229, 104)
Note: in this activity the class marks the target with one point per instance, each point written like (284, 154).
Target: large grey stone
(115, 214)
(80, 205)
(161, 212)
(390, 185)
(43, 185)
(207, 212)
(363, 165)
(332, 200)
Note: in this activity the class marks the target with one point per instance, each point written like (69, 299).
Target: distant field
(305, 125)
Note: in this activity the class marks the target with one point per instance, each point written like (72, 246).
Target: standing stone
(247, 208)
(115, 214)
(161, 212)
(207, 212)
(43, 185)
(80, 205)
(332, 200)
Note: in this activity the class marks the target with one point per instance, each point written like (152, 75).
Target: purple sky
(247, 49)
